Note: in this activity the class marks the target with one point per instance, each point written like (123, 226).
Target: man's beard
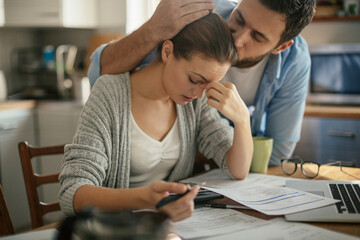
(249, 62)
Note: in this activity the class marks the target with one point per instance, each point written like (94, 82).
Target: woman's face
(186, 80)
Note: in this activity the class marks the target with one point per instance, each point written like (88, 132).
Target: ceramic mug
(262, 152)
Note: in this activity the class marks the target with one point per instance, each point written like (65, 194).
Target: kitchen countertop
(17, 104)
(30, 104)
(332, 111)
(310, 110)
(65, 104)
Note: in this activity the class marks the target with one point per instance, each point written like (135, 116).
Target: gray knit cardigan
(100, 152)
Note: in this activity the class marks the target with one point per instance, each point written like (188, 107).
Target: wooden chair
(33, 180)
(6, 226)
(203, 164)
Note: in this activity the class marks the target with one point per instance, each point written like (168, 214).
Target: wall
(136, 16)
(2, 15)
(112, 16)
(332, 32)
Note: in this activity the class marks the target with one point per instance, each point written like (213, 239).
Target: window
(138, 12)
(2, 14)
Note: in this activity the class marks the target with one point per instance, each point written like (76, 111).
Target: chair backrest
(203, 164)
(33, 180)
(6, 226)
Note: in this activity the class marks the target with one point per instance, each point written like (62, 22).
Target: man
(273, 68)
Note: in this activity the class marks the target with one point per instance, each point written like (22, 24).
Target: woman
(138, 133)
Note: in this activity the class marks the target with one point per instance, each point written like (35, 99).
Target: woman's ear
(167, 50)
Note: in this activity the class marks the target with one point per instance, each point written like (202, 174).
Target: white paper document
(270, 200)
(214, 221)
(280, 229)
(216, 178)
(49, 234)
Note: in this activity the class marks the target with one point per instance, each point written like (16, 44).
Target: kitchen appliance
(65, 59)
(46, 73)
(335, 74)
(30, 79)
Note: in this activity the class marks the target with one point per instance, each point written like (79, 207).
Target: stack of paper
(214, 221)
(261, 196)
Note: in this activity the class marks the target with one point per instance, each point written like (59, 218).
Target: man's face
(256, 31)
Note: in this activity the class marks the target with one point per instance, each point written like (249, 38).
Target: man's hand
(171, 16)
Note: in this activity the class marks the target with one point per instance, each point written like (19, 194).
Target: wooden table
(325, 173)
(312, 110)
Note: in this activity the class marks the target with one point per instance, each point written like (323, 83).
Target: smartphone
(203, 195)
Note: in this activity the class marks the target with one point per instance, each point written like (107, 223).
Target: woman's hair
(209, 36)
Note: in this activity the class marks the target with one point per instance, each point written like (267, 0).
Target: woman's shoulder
(111, 83)
(112, 80)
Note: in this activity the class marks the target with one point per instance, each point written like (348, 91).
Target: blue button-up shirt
(280, 98)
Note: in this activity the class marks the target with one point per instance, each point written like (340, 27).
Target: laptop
(348, 210)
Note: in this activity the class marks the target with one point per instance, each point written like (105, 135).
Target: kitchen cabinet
(45, 123)
(51, 13)
(327, 139)
(57, 123)
(15, 125)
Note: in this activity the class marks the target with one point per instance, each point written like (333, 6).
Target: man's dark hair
(298, 13)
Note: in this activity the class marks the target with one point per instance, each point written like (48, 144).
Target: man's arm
(283, 124)
(169, 18)
(286, 111)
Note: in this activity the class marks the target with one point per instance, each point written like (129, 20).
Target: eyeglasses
(308, 169)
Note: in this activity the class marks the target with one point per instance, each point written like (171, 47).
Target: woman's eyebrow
(203, 78)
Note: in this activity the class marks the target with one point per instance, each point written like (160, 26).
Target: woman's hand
(177, 210)
(224, 97)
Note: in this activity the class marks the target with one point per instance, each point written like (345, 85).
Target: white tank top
(152, 160)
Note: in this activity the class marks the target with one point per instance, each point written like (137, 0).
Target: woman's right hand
(177, 210)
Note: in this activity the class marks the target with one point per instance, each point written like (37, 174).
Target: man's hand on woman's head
(178, 210)
(171, 16)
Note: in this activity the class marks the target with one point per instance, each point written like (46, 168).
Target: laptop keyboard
(349, 194)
